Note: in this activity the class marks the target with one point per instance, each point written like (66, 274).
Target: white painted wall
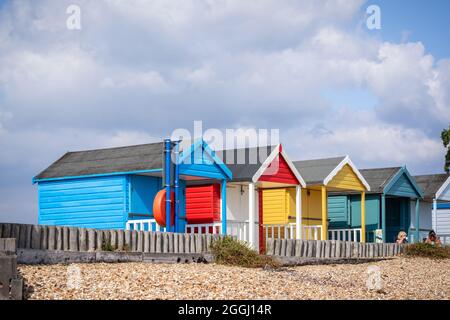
(425, 216)
(238, 206)
(443, 222)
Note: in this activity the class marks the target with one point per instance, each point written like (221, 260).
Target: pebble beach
(397, 278)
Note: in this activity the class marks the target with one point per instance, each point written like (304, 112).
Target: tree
(445, 136)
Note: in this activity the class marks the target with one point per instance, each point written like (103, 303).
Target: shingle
(378, 178)
(315, 171)
(244, 162)
(431, 183)
(103, 161)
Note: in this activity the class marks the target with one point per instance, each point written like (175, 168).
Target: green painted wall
(345, 212)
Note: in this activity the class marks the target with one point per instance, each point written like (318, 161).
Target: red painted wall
(203, 203)
(283, 174)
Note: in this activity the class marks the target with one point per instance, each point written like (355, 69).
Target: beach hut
(435, 209)
(392, 205)
(323, 176)
(255, 170)
(115, 188)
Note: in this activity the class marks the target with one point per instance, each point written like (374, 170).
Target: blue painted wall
(443, 205)
(99, 202)
(143, 190)
(402, 188)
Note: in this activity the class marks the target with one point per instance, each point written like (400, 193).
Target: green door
(397, 217)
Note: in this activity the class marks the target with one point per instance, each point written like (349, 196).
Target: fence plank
(182, 242)
(146, 241)
(6, 230)
(36, 237)
(187, 243)
(15, 233)
(198, 243)
(22, 236)
(140, 241)
(73, 239)
(165, 242)
(99, 240)
(51, 238)
(83, 239)
(158, 242)
(91, 240)
(44, 235)
(65, 238)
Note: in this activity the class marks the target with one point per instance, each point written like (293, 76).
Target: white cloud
(138, 70)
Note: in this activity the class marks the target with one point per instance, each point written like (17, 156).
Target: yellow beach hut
(321, 177)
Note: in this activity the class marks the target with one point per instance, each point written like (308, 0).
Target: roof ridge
(120, 147)
(329, 158)
(383, 168)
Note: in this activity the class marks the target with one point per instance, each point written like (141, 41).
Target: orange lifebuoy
(159, 208)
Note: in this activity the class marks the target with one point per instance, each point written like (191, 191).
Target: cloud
(140, 69)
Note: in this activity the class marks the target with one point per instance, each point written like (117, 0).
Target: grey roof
(431, 183)
(378, 178)
(245, 162)
(110, 160)
(315, 171)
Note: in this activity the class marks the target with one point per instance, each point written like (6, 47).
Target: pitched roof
(431, 183)
(315, 171)
(102, 161)
(378, 178)
(245, 162)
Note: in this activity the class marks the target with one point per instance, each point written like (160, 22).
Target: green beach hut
(392, 205)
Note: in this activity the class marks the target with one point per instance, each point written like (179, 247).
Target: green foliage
(228, 251)
(427, 250)
(106, 246)
(445, 136)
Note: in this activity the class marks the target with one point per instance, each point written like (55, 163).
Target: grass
(427, 251)
(228, 251)
(106, 246)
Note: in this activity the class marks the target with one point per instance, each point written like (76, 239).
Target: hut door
(397, 217)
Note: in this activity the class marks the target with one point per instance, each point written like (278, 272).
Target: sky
(137, 70)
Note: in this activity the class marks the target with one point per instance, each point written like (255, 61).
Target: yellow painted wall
(346, 179)
(278, 205)
(311, 207)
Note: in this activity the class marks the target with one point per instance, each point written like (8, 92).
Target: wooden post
(251, 214)
(324, 214)
(417, 224)
(298, 212)
(224, 206)
(434, 216)
(363, 216)
(383, 216)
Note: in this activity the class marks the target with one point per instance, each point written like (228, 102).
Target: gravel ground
(401, 278)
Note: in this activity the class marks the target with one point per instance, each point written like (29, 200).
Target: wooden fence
(41, 237)
(331, 249)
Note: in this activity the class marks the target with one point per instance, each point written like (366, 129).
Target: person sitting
(402, 237)
(433, 239)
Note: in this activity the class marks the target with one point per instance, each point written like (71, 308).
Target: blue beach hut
(114, 188)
